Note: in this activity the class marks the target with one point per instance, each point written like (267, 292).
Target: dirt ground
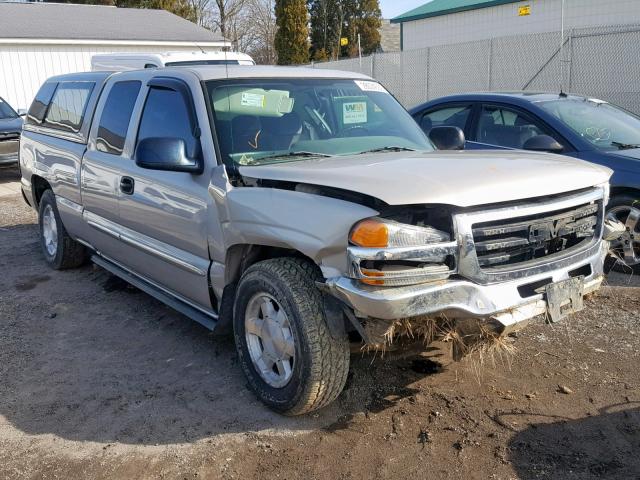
(98, 380)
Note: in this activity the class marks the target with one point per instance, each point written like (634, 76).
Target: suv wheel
(59, 249)
(286, 350)
(625, 208)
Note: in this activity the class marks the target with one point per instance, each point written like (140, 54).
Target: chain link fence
(602, 62)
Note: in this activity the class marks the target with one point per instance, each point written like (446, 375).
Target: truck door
(100, 172)
(165, 214)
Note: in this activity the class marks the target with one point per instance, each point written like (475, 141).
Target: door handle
(127, 185)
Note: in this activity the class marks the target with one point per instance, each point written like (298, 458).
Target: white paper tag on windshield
(252, 100)
(354, 112)
(369, 86)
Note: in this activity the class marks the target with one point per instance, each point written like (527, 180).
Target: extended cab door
(101, 166)
(165, 215)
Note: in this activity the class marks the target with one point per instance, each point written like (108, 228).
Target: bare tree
(224, 17)
(201, 12)
(259, 23)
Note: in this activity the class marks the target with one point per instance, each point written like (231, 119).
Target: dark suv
(10, 128)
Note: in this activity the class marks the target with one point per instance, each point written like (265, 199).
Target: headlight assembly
(388, 253)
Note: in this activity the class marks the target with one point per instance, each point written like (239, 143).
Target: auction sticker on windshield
(368, 86)
(252, 100)
(354, 112)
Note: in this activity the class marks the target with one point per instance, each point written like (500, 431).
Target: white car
(135, 61)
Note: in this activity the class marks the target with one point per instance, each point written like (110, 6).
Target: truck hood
(455, 178)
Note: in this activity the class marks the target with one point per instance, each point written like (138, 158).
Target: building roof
(435, 8)
(69, 22)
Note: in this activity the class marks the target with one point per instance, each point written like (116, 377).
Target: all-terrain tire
(321, 362)
(68, 253)
(624, 200)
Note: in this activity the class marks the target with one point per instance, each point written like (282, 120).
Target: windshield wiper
(293, 154)
(389, 149)
(624, 146)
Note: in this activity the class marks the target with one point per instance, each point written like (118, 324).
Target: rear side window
(165, 114)
(68, 104)
(40, 104)
(116, 115)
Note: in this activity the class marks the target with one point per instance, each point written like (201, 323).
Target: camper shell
(135, 61)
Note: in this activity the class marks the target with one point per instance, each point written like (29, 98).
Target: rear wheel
(626, 248)
(59, 249)
(286, 350)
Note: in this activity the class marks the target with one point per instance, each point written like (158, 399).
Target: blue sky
(392, 8)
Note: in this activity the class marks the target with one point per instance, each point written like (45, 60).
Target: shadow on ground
(606, 445)
(9, 174)
(85, 357)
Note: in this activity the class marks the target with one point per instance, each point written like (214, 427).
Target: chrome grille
(522, 239)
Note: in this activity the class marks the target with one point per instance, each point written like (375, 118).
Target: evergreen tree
(292, 36)
(368, 21)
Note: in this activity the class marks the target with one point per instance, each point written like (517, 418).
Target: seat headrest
(426, 124)
(289, 124)
(248, 123)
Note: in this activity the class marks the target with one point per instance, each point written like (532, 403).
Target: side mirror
(543, 143)
(447, 138)
(166, 154)
(21, 112)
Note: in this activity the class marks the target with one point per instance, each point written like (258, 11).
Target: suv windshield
(605, 126)
(261, 121)
(6, 111)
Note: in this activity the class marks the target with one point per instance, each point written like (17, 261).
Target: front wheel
(626, 248)
(292, 362)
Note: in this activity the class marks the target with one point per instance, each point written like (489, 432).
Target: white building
(39, 40)
(444, 22)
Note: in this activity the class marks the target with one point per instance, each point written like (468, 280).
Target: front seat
(280, 133)
(245, 133)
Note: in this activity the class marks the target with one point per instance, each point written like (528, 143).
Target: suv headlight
(386, 252)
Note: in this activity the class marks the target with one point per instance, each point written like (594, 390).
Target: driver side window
(165, 115)
(506, 127)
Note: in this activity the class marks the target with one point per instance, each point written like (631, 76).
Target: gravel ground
(98, 380)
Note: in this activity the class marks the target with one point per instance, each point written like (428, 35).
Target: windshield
(277, 120)
(6, 111)
(605, 126)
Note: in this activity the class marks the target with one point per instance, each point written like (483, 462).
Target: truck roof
(81, 77)
(218, 72)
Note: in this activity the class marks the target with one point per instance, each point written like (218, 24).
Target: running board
(209, 321)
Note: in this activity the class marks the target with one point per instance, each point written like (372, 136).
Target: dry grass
(468, 337)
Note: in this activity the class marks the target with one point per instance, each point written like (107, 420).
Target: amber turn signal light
(370, 233)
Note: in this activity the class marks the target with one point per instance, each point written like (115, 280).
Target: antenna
(562, 50)
(201, 49)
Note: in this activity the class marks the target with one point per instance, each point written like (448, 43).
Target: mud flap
(565, 298)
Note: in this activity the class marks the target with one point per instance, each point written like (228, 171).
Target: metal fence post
(427, 72)
(570, 63)
(489, 67)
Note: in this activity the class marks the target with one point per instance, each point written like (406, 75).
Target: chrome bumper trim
(462, 298)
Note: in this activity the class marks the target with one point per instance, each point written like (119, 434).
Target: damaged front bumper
(508, 305)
